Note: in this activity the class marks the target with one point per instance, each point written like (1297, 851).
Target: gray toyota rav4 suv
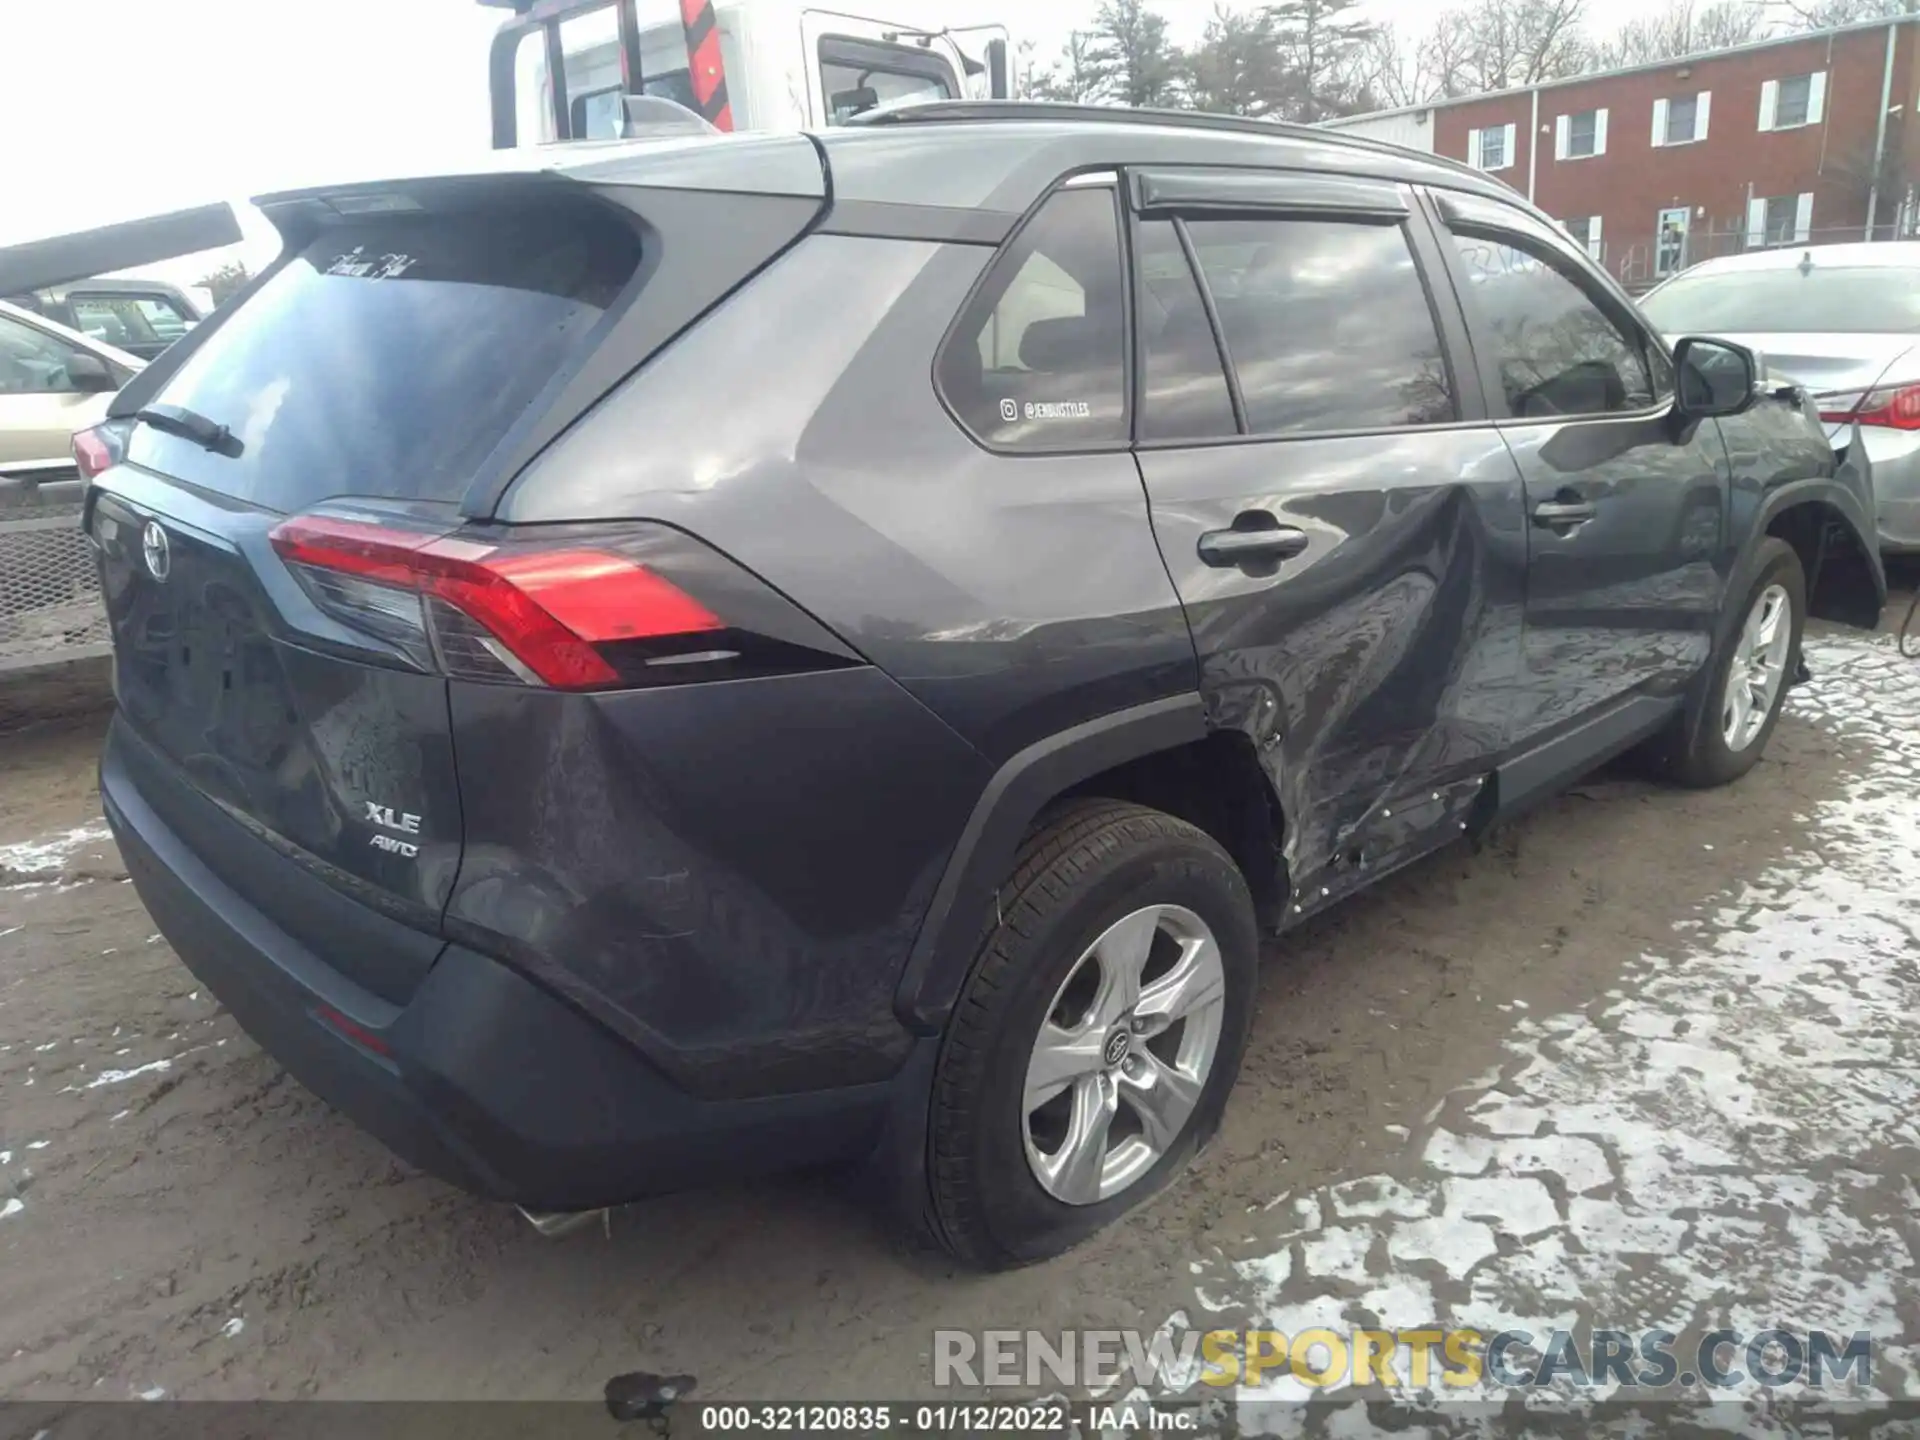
(707, 654)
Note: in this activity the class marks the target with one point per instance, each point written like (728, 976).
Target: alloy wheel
(1759, 668)
(1123, 1054)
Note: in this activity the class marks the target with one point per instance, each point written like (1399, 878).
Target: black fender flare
(1821, 489)
(1829, 490)
(982, 858)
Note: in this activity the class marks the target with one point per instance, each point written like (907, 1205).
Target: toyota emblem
(153, 545)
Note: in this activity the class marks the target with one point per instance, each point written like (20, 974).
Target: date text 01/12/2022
(1031, 1418)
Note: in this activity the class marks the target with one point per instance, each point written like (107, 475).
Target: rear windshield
(390, 357)
(1871, 300)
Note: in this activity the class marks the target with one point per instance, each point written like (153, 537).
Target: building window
(1586, 234)
(1682, 119)
(1779, 220)
(1580, 135)
(1793, 102)
(1491, 148)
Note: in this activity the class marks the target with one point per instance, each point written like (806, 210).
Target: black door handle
(1252, 547)
(1555, 513)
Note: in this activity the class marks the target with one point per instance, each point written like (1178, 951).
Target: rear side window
(1036, 361)
(1183, 392)
(1559, 353)
(1327, 324)
(389, 358)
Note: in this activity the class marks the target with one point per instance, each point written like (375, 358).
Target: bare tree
(1826, 14)
(1442, 58)
(1391, 69)
(1683, 28)
(1729, 23)
(1510, 43)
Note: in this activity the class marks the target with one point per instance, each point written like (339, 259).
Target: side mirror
(999, 82)
(89, 374)
(1717, 377)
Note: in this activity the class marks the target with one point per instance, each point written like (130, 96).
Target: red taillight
(548, 608)
(94, 450)
(1893, 407)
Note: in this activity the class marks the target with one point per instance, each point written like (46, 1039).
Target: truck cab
(560, 70)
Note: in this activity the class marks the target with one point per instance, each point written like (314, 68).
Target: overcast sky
(112, 109)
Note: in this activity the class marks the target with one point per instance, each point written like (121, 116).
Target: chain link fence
(50, 608)
(1640, 263)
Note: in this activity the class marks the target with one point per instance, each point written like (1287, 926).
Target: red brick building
(1800, 140)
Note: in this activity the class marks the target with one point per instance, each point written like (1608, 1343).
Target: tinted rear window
(1870, 300)
(389, 358)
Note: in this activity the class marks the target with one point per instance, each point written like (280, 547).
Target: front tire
(1748, 679)
(1098, 1035)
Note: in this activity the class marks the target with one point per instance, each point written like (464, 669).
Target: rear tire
(1747, 680)
(1103, 891)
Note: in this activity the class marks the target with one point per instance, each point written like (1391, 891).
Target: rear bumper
(481, 1078)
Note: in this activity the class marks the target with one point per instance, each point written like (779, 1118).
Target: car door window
(1558, 352)
(1327, 324)
(1036, 359)
(163, 317)
(33, 362)
(1183, 393)
(119, 320)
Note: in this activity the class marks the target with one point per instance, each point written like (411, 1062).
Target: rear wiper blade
(191, 425)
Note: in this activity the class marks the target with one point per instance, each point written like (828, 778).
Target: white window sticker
(360, 266)
(1058, 410)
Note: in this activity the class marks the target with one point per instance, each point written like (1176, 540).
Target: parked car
(53, 381)
(138, 316)
(1843, 320)
(793, 648)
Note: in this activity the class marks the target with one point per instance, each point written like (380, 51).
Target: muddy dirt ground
(178, 1216)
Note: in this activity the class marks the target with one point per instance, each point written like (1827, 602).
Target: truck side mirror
(999, 86)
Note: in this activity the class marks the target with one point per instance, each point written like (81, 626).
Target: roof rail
(986, 111)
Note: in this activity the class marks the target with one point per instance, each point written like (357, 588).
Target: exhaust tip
(555, 1223)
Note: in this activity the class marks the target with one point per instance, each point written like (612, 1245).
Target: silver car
(1841, 320)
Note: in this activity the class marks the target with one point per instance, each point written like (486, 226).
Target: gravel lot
(1647, 1058)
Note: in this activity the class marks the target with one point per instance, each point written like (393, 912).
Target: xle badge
(388, 818)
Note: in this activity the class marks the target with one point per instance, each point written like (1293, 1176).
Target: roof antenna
(1806, 263)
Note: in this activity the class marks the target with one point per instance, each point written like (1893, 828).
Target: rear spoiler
(42, 264)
